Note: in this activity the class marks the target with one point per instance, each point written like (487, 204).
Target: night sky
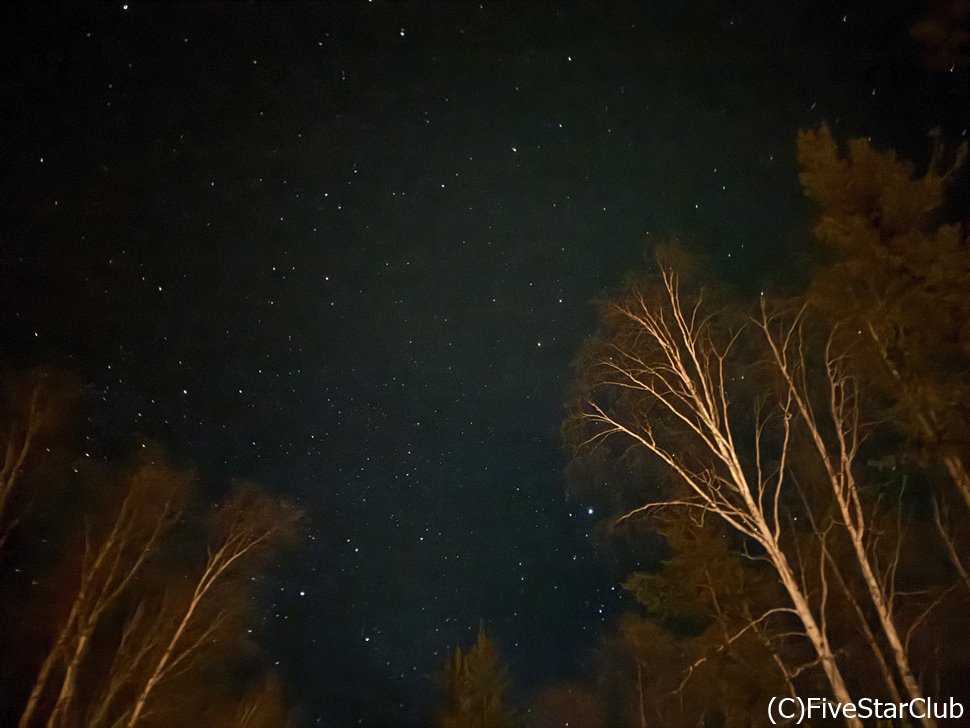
(349, 250)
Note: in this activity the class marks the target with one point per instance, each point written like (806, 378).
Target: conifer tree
(895, 291)
(475, 685)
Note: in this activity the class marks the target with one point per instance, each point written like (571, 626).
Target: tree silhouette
(152, 598)
(658, 379)
(896, 286)
(475, 685)
(797, 426)
(246, 527)
(150, 505)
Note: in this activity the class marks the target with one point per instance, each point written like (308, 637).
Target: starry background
(349, 250)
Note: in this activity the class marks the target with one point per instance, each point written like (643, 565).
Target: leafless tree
(674, 362)
(247, 526)
(838, 456)
(149, 507)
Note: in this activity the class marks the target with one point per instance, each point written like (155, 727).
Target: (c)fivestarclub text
(799, 710)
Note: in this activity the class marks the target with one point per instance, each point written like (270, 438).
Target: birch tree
(113, 557)
(245, 528)
(838, 453)
(659, 381)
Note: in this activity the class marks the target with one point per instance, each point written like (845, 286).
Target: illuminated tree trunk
(815, 634)
(46, 668)
(642, 704)
(958, 473)
(671, 361)
(251, 522)
(60, 715)
(843, 409)
(106, 573)
(874, 647)
(161, 666)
